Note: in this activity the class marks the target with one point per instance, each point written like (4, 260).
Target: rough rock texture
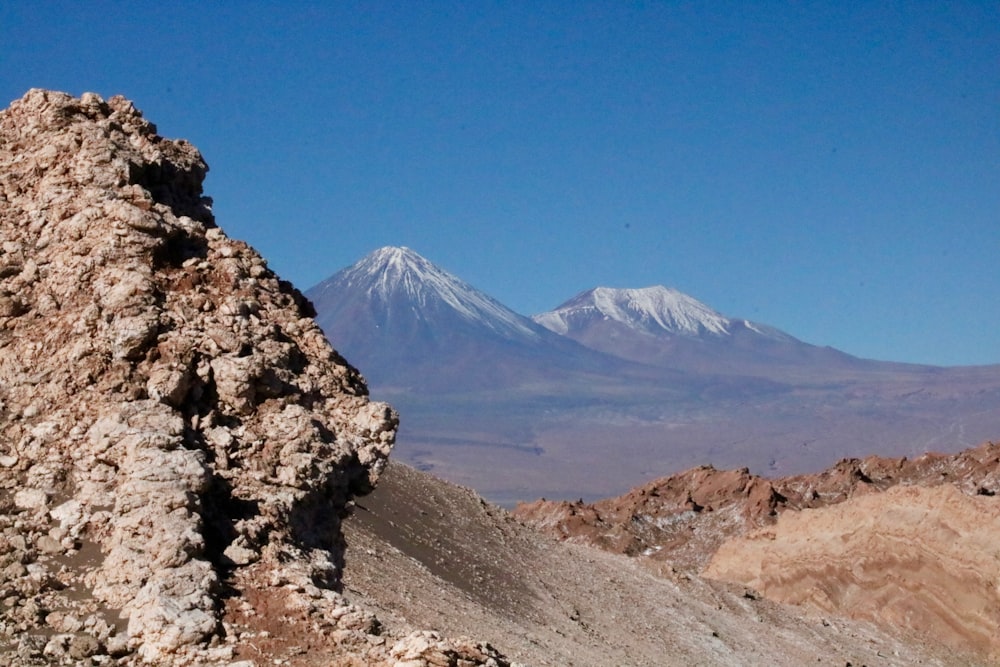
(682, 519)
(175, 431)
(925, 559)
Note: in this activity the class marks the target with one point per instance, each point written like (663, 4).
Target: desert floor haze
(190, 474)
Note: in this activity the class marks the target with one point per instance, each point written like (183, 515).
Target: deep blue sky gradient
(832, 169)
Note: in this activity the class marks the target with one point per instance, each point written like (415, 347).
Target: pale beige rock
(920, 558)
(31, 499)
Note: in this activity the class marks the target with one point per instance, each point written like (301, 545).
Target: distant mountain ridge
(667, 328)
(395, 287)
(621, 384)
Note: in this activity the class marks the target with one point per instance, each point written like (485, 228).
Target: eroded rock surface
(920, 558)
(908, 543)
(682, 519)
(175, 431)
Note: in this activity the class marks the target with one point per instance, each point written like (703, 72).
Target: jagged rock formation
(905, 542)
(175, 432)
(684, 518)
(656, 520)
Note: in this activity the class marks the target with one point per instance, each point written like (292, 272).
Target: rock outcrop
(682, 519)
(657, 520)
(176, 434)
(908, 543)
(925, 559)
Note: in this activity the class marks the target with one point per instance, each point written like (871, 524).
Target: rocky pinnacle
(174, 427)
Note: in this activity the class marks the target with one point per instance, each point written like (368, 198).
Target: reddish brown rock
(684, 517)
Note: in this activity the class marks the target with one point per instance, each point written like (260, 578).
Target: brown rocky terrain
(909, 543)
(923, 558)
(177, 438)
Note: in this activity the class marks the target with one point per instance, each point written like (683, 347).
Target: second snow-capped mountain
(654, 310)
(662, 326)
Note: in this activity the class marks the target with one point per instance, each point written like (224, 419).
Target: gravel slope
(422, 552)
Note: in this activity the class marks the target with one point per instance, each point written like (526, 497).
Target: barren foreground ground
(428, 554)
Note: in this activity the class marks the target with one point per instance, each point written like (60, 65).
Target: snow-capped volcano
(393, 275)
(653, 310)
(662, 326)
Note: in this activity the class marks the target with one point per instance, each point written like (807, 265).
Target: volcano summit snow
(662, 326)
(654, 309)
(398, 279)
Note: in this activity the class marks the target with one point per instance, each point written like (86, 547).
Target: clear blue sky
(832, 169)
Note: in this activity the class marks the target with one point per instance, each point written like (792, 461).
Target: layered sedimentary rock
(175, 431)
(919, 558)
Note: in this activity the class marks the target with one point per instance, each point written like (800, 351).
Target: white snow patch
(553, 321)
(392, 269)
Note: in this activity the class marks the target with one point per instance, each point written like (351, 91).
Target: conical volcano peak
(397, 257)
(394, 268)
(400, 283)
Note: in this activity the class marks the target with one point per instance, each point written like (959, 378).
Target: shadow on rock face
(222, 512)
